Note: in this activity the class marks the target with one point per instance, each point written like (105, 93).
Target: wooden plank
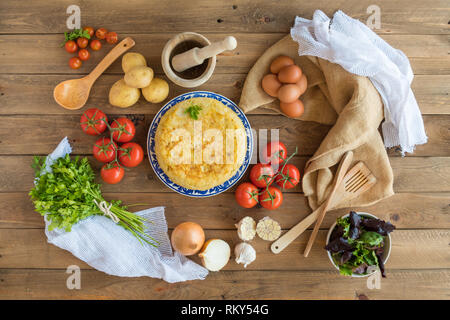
(403, 16)
(51, 284)
(428, 54)
(411, 174)
(411, 249)
(33, 94)
(37, 138)
(405, 210)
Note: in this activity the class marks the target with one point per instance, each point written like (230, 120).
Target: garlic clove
(215, 254)
(244, 253)
(268, 229)
(246, 228)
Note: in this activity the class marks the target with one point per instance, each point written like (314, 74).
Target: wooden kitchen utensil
(196, 56)
(73, 94)
(357, 180)
(342, 169)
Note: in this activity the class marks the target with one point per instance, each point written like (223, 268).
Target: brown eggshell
(290, 74)
(302, 84)
(289, 93)
(270, 84)
(279, 63)
(293, 110)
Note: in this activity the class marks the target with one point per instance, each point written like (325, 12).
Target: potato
(123, 96)
(131, 60)
(139, 77)
(157, 91)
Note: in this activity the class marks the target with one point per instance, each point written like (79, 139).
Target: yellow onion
(188, 238)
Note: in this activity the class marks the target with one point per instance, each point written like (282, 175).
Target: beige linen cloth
(334, 97)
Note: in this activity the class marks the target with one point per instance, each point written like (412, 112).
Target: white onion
(215, 254)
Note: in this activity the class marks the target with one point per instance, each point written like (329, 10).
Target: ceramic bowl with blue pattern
(151, 145)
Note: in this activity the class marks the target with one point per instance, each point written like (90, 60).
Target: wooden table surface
(32, 63)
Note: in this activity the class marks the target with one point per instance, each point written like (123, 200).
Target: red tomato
(112, 173)
(111, 37)
(289, 177)
(131, 154)
(246, 195)
(101, 33)
(271, 199)
(82, 42)
(96, 45)
(93, 121)
(90, 30)
(70, 46)
(261, 174)
(83, 54)
(274, 153)
(104, 150)
(123, 130)
(75, 63)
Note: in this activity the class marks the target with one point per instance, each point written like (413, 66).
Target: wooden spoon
(73, 94)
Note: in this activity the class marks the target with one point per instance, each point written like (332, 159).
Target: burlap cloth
(334, 97)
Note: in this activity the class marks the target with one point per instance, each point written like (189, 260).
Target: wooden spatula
(356, 181)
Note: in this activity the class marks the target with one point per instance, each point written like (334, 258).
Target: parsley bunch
(75, 34)
(66, 195)
(193, 111)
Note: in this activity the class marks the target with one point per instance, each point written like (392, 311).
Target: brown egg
(302, 84)
(279, 63)
(294, 109)
(290, 74)
(270, 84)
(288, 93)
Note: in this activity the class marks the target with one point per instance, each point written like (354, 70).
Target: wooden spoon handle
(112, 55)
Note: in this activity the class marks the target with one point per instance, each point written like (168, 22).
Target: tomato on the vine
(71, 46)
(82, 42)
(112, 173)
(104, 150)
(75, 63)
(96, 45)
(123, 130)
(131, 154)
(90, 30)
(111, 37)
(261, 175)
(83, 54)
(246, 195)
(101, 33)
(289, 177)
(271, 198)
(93, 121)
(274, 153)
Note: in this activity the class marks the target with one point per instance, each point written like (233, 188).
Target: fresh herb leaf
(193, 111)
(75, 34)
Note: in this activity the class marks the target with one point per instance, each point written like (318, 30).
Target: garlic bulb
(268, 229)
(244, 253)
(246, 228)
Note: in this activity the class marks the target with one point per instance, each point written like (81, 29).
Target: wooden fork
(356, 181)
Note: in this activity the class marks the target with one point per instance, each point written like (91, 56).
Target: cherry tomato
(112, 173)
(261, 174)
(101, 33)
(111, 37)
(274, 153)
(71, 46)
(246, 195)
(123, 130)
(289, 177)
(90, 30)
(131, 154)
(82, 42)
(104, 150)
(83, 54)
(271, 199)
(93, 121)
(96, 45)
(75, 63)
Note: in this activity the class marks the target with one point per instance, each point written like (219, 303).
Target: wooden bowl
(166, 56)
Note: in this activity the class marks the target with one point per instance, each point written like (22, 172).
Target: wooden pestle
(196, 56)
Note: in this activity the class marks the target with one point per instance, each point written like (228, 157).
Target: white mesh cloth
(351, 44)
(109, 248)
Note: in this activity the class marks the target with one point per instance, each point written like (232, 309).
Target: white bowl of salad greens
(357, 241)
